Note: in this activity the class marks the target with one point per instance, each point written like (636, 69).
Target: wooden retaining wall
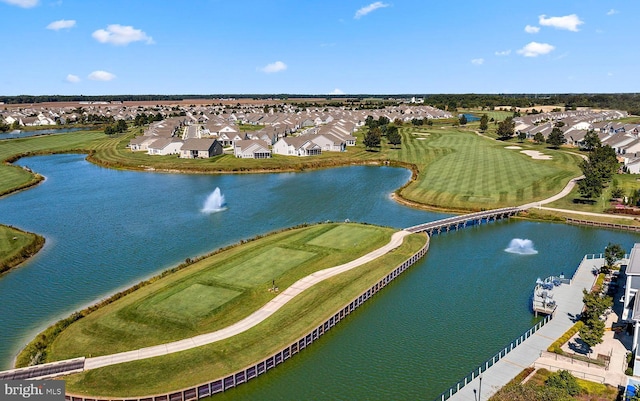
(603, 225)
(242, 376)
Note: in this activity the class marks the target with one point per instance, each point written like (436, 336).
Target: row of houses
(254, 145)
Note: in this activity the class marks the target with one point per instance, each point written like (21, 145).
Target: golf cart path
(250, 321)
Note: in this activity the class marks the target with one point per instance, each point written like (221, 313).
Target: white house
(251, 149)
(296, 146)
(165, 146)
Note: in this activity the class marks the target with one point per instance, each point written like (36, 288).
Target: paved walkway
(569, 300)
(250, 321)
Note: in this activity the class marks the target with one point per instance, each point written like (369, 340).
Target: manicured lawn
(212, 293)
(573, 201)
(198, 365)
(462, 170)
(344, 237)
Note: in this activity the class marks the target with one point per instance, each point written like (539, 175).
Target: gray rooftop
(633, 268)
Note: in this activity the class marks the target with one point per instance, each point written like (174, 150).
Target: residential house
(200, 148)
(296, 146)
(251, 149)
(165, 146)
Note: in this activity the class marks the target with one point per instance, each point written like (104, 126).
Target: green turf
(194, 301)
(574, 201)
(210, 294)
(343, 237)
(266, 266)
(463, 170)
(187, 368)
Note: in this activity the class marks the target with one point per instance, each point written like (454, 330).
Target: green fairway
(212, 293)
(343, 237)
(462, 170)
(265, 266)
(193, 302)
(198, 365)
(16, 246)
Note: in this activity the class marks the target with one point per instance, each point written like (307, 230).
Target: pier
(493, 374)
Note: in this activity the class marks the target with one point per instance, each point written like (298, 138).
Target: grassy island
(16, 246)
(217, 291)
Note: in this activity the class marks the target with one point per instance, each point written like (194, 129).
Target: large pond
(107, 229)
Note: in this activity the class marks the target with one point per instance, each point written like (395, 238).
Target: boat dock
(542, 301)
(489, 377)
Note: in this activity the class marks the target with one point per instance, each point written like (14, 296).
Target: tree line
(629, 102)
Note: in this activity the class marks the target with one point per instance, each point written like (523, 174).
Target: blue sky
(95, 47)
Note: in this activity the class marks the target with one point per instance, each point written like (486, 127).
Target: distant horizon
(332, 96)
(100, 48)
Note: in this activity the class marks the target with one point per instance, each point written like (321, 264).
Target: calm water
(106, 229)
(25, 134)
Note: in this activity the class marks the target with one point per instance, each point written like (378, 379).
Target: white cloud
(367, 9)
(535, 49)
(336, 91)
(22, 3)
(72, 78)
(612, 12)
(568, 22)
(503, 52)
(531, 29)
(477, 61)
(274, 67)
(121, 35)
(101, 76)
(61, 24)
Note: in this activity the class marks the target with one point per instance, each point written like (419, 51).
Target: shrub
(564, 380)
(556, 346)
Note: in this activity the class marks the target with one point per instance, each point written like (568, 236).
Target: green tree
(15, 125)
(612, 254)
(590, 141)
(4, 127)
(393, 136)
(592, 332)
(522, 136)
(598, 171)
(538, 138)
(484, 122)
(590, 187)
(121, 126)
(372, 138)
(506, 129)
(564, 380)
(594, 305)
(463, 119)
(556, 138)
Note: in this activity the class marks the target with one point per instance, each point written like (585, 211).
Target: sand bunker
(421, 139)
(512, 147)
(534, 154)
